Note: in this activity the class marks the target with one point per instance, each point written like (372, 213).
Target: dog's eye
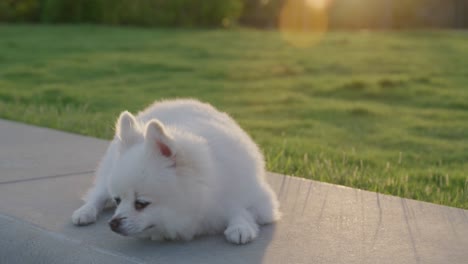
(140, 205)
(117, 200)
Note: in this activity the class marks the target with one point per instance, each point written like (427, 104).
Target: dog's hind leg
(98, 195)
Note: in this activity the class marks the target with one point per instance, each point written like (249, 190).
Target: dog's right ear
(128, 130)
(159, 140)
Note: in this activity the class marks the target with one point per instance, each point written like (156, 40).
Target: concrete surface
(44, 172)
(32, 152)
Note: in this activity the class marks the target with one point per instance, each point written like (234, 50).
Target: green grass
(383, 111)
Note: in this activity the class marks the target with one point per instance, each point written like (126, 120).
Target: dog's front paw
(240, 234)
(85, 215)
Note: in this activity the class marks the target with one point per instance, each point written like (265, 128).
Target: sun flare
(317, 4)
(304, 22)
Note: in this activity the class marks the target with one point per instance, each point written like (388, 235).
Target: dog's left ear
(127, 130)
(159, 139)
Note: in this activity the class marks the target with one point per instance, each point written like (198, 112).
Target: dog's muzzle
(115, 224)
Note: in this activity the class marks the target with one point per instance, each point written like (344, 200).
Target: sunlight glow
(304, 22)
(318, 4)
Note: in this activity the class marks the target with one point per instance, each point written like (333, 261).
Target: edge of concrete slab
(29, 243)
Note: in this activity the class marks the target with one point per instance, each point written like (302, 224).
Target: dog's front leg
(98, 195)
(241, 228)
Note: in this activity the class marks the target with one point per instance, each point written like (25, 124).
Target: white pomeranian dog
(181, 169)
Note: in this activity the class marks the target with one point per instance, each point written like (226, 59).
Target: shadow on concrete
(204, 249)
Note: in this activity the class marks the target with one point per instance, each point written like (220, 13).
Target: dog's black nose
(115, 223)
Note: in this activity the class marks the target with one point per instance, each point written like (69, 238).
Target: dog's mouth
(148, 228)
(121, 232)
(125, 233)
(144, 233)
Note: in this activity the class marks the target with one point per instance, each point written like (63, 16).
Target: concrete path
(44, 172)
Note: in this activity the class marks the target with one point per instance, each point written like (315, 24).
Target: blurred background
(371, 94)
(341, 14)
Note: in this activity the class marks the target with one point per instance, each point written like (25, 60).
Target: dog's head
(157, 181)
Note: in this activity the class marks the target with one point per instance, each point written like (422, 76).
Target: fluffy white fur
(197, 169)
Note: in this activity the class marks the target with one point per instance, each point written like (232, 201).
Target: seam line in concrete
(48, 177)
(64, 238)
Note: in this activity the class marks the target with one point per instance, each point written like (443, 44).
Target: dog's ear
(128, 130)
(159, 140)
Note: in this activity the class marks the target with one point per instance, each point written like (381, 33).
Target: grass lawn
(385, 112)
